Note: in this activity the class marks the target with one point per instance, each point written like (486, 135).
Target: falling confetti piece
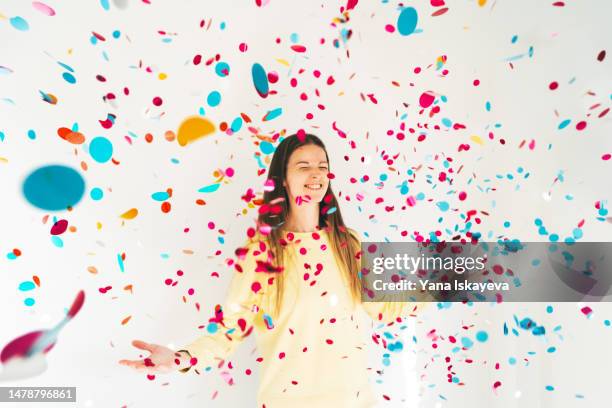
(194, 128)
(19, 23)
(260, 80)
(130, 214)
(43, 8)
(407, 21)
(54, 188)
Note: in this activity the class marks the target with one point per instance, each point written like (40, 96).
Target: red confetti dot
(165, 207)
(606, 156)
(281, 355)
(157, 101)
(553, 85)
(476, 82)
(601, 55)
(243, 47)
(390, 28)
(329, 341)
(462, 195)
(581, 125)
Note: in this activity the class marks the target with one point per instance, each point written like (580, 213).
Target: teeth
(313, 186)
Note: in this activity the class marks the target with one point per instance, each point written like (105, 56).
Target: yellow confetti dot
(3, 160)
(162, 76)
(282, 61)
(130, 214)
(476, 139)
(194, 128)
(481, 3)
(99, 225)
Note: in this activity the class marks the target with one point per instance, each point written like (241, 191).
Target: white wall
(476, 40)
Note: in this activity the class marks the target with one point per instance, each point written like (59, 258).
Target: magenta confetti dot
(157, 101)
(426, 99)
(553, 85)
(462, 195)
(581, 125)
(243, 47)
(390, 28)
(476, 82)
(606, 156)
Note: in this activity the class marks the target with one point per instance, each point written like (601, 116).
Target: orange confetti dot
(194, 128)
(165, 207)
(130, 214)
(92, 270)
(16, 252)
(169, 135)
(149, 137)
(124, 321)
(36, 280)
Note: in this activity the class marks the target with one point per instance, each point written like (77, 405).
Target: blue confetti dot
(54, 188)
(31, 134)
(213, 99)
(211, 328)
(482, 336)
(19, 23)
(101, 149)
(68, 77)
(222, 69)
(116, 34)
(407, 21)
(27, 285)
(266, 147)
(550, 388)
(96, 194)
(57, 241)
(29, 302)
(466, 342)
(236, 124)
(549, 309)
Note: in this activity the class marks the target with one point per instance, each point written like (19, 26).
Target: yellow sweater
(315, 355)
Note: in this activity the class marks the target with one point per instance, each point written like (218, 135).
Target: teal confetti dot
(222, 69)
(294, 37)
(273, 114)
(607, 322)
(564, 124)
(447, 122)
(260, 80)
(550, 388)
(116, 34)
(512, 361)
(222, 25)
(407, 21)
(549, 309)
(29, 302)
(120, 262)
(551, 349)
(482, 336)
(2, 136)
(19, 23)
(57, 241)
(31, 134)
(54, 188)
(506, 224)
(213, 99)
(443, 206)
(160, 196)
(553, 237)
(236, 124)
(105, 5)
(101, 149)
(96, 194)
(211, 328)
(68, 77)
(27, 285)
(466, 342)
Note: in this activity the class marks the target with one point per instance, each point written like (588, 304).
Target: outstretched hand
(161, 360)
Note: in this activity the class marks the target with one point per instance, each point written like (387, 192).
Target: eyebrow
(305, 162)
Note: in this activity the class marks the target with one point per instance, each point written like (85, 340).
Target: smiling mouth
(313, 187)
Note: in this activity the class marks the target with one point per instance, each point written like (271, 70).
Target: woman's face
(307, 175)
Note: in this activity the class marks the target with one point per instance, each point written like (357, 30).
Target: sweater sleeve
(394, 306)
(241, 310)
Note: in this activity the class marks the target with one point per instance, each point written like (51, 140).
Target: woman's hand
(161, 360)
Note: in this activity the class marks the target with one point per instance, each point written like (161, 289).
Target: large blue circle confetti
(54, 188)
(407, 21)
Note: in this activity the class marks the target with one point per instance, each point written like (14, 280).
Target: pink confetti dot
(243, 47)
(390, 28)
(606, 156)
(553, 85)
(229, 172)
(157, 101)
(211, 225)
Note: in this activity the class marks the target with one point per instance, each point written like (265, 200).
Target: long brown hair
(275, 209)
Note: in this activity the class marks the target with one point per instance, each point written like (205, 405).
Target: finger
(133, 363)
(142, 345)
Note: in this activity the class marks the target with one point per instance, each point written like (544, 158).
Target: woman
(298, 289)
